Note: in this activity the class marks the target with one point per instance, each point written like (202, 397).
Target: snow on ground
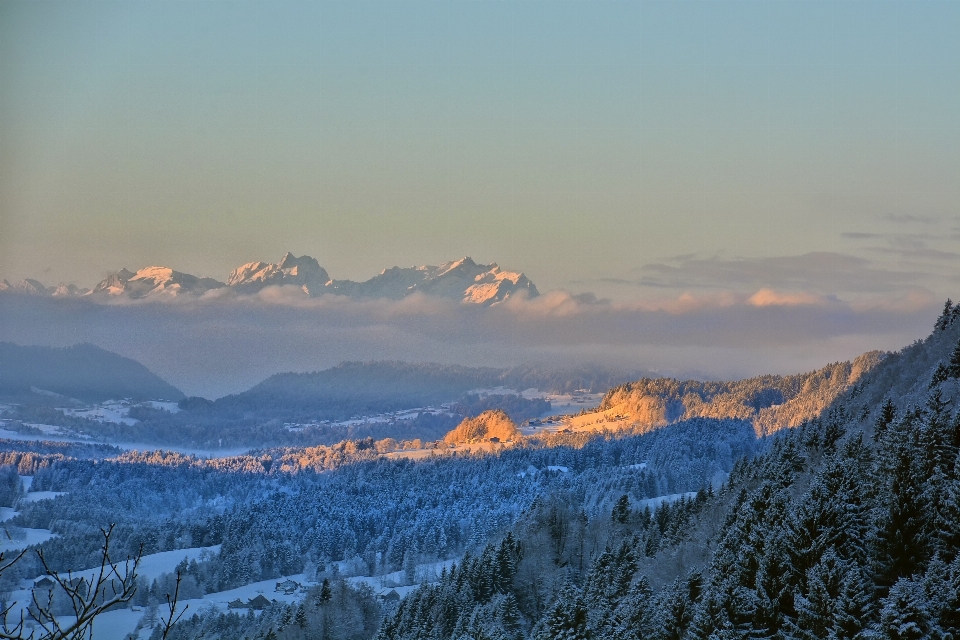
(7, 434)
(115, 625)
(47, 429)
(16, 538)
(379, 418)
(532, 470)
(115, 411)
(7, 513)
(153, 565)
(172, 407)
(444, 449)
(36, 496)
(653, 503)
(130, 446)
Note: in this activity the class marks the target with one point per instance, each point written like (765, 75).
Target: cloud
(771, 298)
(909, 218)
(821, 273)
(225, 343)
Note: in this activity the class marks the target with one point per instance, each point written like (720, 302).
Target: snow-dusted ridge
(463, 280)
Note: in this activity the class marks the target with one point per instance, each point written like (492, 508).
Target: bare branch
(172, 606)
(88, 597)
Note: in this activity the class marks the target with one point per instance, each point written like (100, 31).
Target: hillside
(845, 526)
(365, 388)
(770, 402)
(84, 372)
(487, 425)
(906, 377)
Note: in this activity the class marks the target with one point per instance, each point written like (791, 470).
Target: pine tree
(301, 617)
(621, 510)
(954, 368)
(888, 413)
(940, 374)
(854, 605)
(566, 619)
(946, 317)
(906, 613)
(816, 610)
(325, 592)
(673, 611)
(901, 547)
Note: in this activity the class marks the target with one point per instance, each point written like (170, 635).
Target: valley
(554, 483)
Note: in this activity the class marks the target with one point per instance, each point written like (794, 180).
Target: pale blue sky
(579, 142)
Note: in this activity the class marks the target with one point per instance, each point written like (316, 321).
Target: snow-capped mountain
(154, 281)
(304, 272)
(463, 280)
(27, 285)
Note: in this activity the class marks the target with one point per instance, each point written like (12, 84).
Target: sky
(667, 157)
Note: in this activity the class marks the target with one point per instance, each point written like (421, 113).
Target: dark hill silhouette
(83, 371)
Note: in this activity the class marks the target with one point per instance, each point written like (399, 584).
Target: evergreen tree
(946, 317)
(816, 611)
(566, 619)
(901, 547)
(325, 592)
(940, 374)
(905, 613)
(954, 367)
(621, 510)
(888, 413)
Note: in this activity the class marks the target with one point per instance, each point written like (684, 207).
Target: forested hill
(771, 402)
(848, 526)
(364, 388)
(83, 371)
(906, 377)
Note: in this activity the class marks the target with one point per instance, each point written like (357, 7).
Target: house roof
(259, 602)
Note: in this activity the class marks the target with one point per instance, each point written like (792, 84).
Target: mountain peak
(152, 281)
(304, 272)
(463, 280)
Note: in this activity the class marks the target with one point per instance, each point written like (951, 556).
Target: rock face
(154, 281)
(489, 424)
(304, 272)
(463, 280)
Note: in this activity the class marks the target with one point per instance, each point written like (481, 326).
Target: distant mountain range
(463, 280)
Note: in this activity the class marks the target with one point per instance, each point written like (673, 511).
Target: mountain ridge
(464, 280)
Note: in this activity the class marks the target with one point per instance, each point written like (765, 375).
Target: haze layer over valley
(211, 338)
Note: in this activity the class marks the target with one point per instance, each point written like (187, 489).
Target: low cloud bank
(222, 343)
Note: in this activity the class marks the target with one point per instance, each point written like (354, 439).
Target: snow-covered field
(115, 625)
(16, 538)
(128, 446)
(115, 411)
(379, 418)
